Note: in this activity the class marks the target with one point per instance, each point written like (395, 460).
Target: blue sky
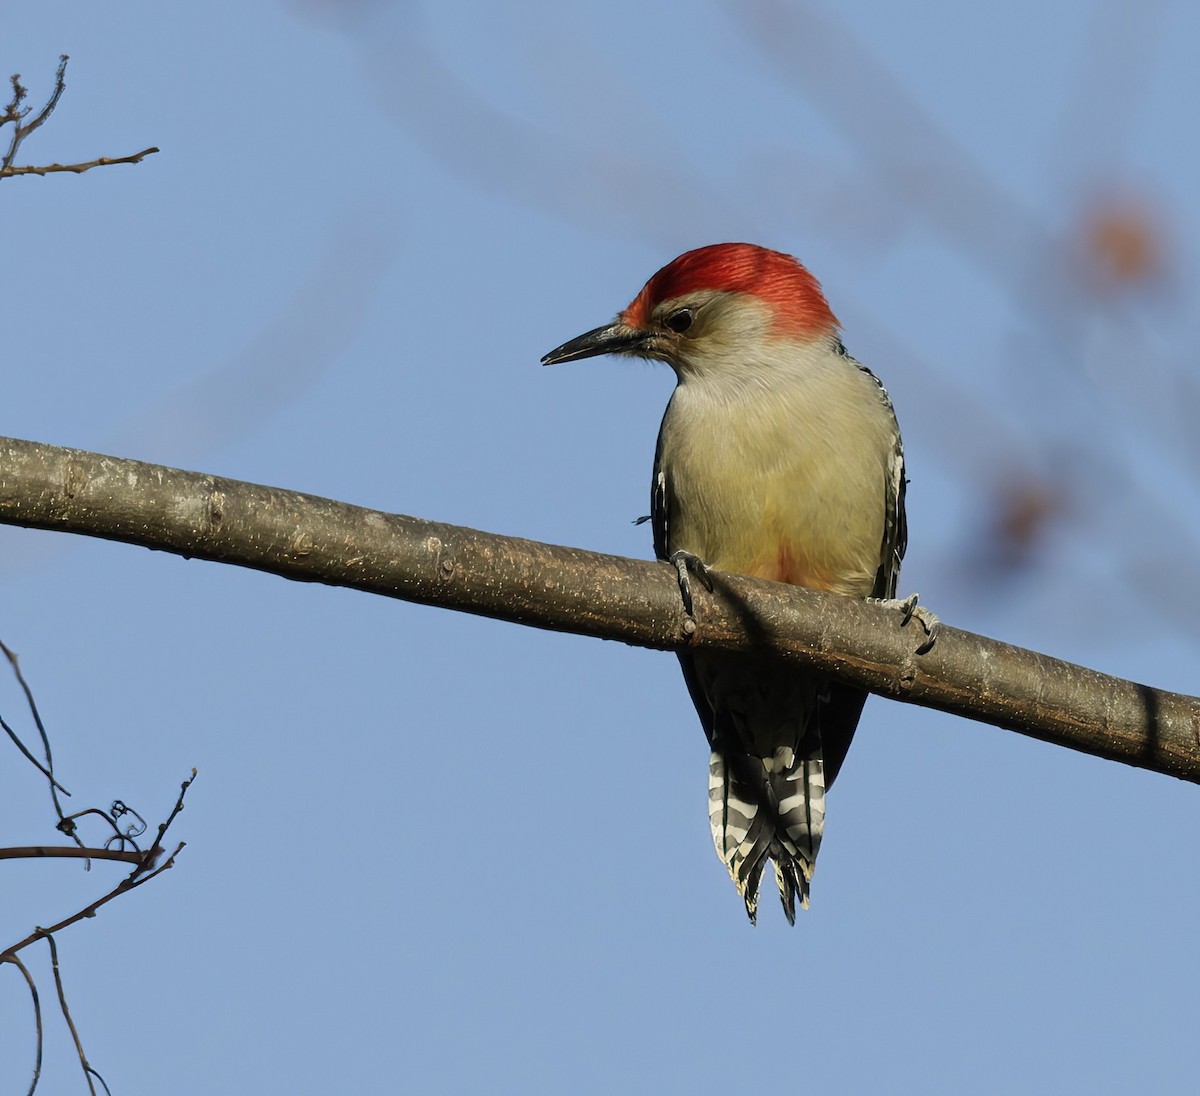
(433, 853)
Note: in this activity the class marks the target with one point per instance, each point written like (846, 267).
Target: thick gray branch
(319, 540)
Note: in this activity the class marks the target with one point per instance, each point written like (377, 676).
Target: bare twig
(313, 539)
(37, 1016)
(16, 741)
(124, 837)
(88, 1071)
(130, 852)
(127, 884)
(47, 770)
(146, 867)
(14, 114)
(141, 874)
(148, 862)
(77, 169)
(70, 852)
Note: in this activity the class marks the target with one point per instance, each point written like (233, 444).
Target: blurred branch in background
(1076, 290)
(289, 353)
(1085, 401)
(15, 114)
(648, 194)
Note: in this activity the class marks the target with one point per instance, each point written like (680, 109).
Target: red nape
(775, 278)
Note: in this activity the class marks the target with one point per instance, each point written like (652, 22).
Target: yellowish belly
(777, 499)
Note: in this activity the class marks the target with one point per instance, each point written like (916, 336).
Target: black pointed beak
(613, 338)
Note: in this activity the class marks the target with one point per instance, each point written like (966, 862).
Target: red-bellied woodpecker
(779, 456)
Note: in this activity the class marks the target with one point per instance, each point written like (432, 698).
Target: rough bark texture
(314, 539)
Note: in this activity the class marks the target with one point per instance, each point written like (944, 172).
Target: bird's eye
(680, 320)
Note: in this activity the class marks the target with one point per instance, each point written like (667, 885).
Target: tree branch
(77, 169)
(13, 114)
(70, 852)
(314, 539)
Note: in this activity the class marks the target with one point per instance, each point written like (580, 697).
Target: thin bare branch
(88, 1072)
(148, 861)
(77, 169)
(60, 85)
(16, 741)
(46, 770)
(70, 852)
(144, 870)
(79, 915)
(14, 114)
(313, 539)
(145, 866)
(140, 875)
(37, 1016)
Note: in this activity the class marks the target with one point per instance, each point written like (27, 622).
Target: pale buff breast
(787, 481)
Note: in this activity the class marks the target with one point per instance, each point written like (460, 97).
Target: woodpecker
(779, 456)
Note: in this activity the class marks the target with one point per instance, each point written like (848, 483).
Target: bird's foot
(686, 564)
(912, 611)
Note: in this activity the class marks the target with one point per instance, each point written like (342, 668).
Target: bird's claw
(686, 564)
(928, 620)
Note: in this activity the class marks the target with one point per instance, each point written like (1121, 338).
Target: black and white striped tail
(770, 808)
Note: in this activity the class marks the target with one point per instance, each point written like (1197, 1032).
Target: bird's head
(710, 308)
